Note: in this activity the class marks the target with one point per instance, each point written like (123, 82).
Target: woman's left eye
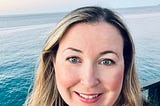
(107, 62)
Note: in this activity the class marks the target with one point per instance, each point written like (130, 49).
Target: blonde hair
(45, 91)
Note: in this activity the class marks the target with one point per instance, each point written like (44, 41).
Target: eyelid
(79, 60)
(111, 60)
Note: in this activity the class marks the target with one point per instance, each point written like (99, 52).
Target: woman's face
(89, 65)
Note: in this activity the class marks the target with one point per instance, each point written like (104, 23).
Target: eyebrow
(73, 49)
(102, 53)
(109, 51)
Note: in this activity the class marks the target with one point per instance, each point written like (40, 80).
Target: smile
(88, 98)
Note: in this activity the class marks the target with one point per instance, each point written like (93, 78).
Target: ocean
(22, 38)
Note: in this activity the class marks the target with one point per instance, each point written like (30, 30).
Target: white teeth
(88, 97)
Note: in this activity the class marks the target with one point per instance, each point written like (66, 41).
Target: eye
(73, 59)
(107, 62)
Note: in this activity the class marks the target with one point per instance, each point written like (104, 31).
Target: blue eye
(73, 60)
(107, 62)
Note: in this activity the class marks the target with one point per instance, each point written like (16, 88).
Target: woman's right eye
(73, 60)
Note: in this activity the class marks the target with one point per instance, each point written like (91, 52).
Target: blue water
(22, 38)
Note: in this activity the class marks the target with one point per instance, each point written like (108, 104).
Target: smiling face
(89, 65)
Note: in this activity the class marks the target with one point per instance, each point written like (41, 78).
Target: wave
(24, 28)
(3, 77)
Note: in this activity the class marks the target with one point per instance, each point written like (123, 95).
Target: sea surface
(22, 38)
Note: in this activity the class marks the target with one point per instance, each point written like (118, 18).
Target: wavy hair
(45, 92)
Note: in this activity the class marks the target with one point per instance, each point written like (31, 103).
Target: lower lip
(93, 100)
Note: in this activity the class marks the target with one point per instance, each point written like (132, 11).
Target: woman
(88, 60)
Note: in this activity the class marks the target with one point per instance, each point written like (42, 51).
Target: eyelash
(101, 62)
(74, 57)
(111, 62)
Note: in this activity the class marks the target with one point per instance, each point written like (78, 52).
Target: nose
(89, 76)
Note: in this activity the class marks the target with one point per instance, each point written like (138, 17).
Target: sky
(9, 7)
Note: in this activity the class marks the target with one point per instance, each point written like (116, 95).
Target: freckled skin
(89, 75)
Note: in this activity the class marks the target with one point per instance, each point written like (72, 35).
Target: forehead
(100, 34)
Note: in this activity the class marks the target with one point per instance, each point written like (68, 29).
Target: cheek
(64, 77)
(118, 80)
(114, 80)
